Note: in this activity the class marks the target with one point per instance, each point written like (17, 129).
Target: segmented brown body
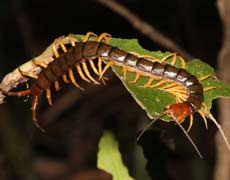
(80, 52)
(83, 51)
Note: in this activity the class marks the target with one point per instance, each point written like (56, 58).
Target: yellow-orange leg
(80, 72)
(204, 78)
(27, 74)
(179, 95)
(92, 65)
(72, 40)
(137, 77)
(57, 86)
(105, 68)
(204, 118)
(39, 63)
(88, 35)
(105, 37)
(149, 57)
(96, 71)
(99, 64)
(180, 98)
(72, 79)
(58, 42)
(124, 70)
(170, 85)
(182, 61)
(174, 56)
(159, 83)
(48, 96)
(65, 79)
(86, 70)
(209, 88)
(204, 111)
(190, 122)
(165, 58)
(149, 82)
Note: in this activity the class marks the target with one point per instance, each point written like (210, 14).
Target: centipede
(81, 54)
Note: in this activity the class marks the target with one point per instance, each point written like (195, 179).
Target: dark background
(77, 120)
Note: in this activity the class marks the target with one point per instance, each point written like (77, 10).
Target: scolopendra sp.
(184, 86)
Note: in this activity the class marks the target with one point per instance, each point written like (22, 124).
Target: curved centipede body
(83, 51)
(184, 86)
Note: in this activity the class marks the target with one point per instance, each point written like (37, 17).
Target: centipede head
(178, 111)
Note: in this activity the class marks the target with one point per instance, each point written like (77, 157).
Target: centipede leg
(174, 56)
(39, 63)
(64, 49)
(204, 118)
(173, 59)
(34, 117)
(190, 123)
(137, 77)
(99, 64)
(88, 35)
(124, 70)
(165, 58)
(72, 79)
(105, 68)
(163, 81)
(170, 85)
(24, 92)
(19, 93)
(80, 72)
(92, 65)
(57, 86)
(86, 70)
(48, 96)
(96, 71)
(173, 87)
(209, 88)
(72, 40)
(104, 36)
(65, 79)
(179, 98)
(55, 51)
(149, 82)
(58, 42)
(148, 57)
(34, 76)
(182, 61)
(205, 77)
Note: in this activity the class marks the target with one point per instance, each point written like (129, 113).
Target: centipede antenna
(210, 116)
(189, 138)
(149, 125)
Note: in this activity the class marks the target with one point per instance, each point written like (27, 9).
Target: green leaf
(109, 158)
(153, 101)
